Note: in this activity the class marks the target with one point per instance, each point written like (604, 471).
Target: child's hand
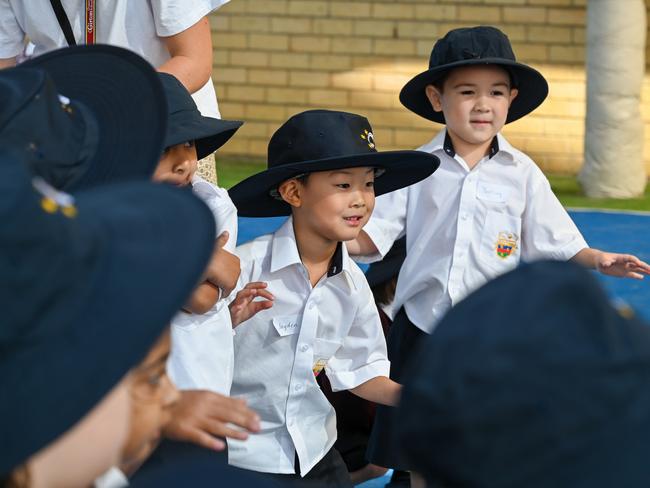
(622, 265)
(202, 417)
(223, 270)
(243, 307)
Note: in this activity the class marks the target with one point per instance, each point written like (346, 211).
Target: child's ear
(290, 191)
(434, 96)
(513, 94)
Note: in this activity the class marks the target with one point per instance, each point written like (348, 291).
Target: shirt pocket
(500, 241)
(323, 352)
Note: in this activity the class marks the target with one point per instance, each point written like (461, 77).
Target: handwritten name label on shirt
(492, 192)
(286, 325)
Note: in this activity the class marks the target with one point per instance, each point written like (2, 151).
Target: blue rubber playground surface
(606, 230)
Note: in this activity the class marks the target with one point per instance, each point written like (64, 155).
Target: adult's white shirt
(138, 25)
(464, 227)
(333, 325)
(202, 355)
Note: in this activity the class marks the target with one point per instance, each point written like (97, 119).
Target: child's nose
(183, 168)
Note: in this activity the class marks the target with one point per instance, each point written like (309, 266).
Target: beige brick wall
(273, 58)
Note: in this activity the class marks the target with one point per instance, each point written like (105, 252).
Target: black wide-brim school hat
(325, 140)
(475, 46)
(186, 123)
(86, 286)
(534, 380)
(115, 117)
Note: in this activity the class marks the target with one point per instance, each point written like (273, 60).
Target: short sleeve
(547, 229)
(12, 37)
(174, 16)
(387, 223)
(362, 355)
(222, 207)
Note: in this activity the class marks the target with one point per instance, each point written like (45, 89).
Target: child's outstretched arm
(379, 389)
(612, 264)
(244, 306)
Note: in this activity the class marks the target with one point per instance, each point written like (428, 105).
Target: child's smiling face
(475, 102)
(335, 204)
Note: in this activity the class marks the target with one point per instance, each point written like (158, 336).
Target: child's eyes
(467, 92)
(343, 185)
(370, 184)
(497, 93)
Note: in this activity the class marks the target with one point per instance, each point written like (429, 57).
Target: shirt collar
(442, 142)
(285, 253)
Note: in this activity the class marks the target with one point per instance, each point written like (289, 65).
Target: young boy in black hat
(202, 353)
(323, 170)
(488, 207)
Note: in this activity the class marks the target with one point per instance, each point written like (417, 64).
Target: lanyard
(91, 22)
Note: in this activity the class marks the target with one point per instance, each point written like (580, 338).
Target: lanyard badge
(91, 22)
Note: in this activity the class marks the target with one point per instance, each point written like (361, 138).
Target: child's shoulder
(256, 249)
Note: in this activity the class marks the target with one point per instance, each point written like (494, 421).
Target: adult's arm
(191, 55)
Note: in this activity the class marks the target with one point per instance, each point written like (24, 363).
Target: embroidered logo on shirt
(506, 244)
(369, 137)
(318, 366)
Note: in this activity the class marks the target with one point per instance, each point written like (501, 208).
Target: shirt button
(311, 305)
(463, 216)
(297, 387)
(304, 348)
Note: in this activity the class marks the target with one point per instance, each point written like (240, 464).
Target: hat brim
(402, 168)
(532, 86)
(140, 278)
(208, 133)
(125, 95)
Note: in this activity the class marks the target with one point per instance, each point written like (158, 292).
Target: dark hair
(385, 292)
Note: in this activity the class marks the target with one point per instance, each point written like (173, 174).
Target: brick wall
(273, 58)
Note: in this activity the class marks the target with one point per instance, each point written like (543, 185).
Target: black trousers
(330, 472)
(403, 340)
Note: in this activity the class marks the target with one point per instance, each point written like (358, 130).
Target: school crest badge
(369, 137)
(506, 244)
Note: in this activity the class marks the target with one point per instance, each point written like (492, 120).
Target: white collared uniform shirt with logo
(465, 227)
(334, 325)
(202, 356)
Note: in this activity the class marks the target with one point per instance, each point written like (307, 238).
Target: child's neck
(471, 153)
(315, 252)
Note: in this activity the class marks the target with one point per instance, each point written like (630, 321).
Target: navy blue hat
(86, 286)
(535, 380)
(475, 46)
(325, 140)
(382, 271)
(177, 464)
(200, 473)
(187, 124)
(97, 114)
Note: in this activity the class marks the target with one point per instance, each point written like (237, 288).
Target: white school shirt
(334, 325)
(202, 355)
(464, 227)
(137, 25)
